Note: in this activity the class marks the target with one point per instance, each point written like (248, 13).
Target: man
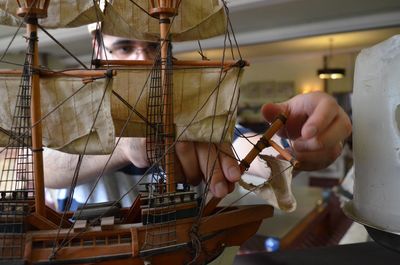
(316, 125)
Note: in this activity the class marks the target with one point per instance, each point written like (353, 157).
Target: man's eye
(124, 50)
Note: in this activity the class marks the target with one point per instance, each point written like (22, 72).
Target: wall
(301, 69)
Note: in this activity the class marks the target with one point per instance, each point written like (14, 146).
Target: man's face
(117, 48)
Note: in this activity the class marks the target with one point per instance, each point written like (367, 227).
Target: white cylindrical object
(376, 136)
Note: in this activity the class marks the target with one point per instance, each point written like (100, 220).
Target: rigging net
(17, 177)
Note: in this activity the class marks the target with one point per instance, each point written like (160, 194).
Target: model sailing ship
(166, 224)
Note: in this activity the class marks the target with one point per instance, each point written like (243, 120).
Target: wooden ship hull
(111, 243)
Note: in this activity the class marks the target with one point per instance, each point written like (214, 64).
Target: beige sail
(195, 20)
(68, 127)
(276, 190)
(61, 13)
(198, 103)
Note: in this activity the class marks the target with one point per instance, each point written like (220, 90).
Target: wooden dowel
(80, 73)
(10, 72)
(225, 64)
(71, 73)
(263, 142)
(285, 154)
(37, 150)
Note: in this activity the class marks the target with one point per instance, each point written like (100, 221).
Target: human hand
(316, 124)
(196, 162)
(200, 161)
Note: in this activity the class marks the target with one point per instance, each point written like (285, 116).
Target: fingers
(317, 124)
(334, 133)
(315, 160)
(321, 111)
(190, 168)
(270, 111)
(226, 171)
(200, 161)
(210, 166)
(308, 114)
(228, 163)
(294, 114)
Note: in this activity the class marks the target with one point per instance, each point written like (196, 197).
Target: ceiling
(326, 44)
(273, 27)
(266, 28)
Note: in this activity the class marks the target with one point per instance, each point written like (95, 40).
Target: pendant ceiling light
(329, 72)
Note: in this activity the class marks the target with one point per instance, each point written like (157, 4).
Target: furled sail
(61, 13)
(199, 102)
(8, 19)
(195, 20)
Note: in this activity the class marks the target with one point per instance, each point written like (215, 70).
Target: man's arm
(59, 167)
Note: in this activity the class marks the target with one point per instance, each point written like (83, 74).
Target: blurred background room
(293, 47)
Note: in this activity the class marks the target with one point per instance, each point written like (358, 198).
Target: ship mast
(31, 11)
(164, 10)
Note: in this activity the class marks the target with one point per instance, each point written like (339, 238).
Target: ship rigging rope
(98, 38)
(245, 194)
(200, 51)
(226, 37)
(134, 186)
(65, 241)
(178, 138)
(194, 236)
(63, 47)
(97, 180)
(132, 111)
(17, 174)
(231, 28)
(132, 108)
(148, 170)
(141, 8)
(80, 158)
(44, 116)
(10, 43)
(77, 169)
(208, 182)
(15, 34)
